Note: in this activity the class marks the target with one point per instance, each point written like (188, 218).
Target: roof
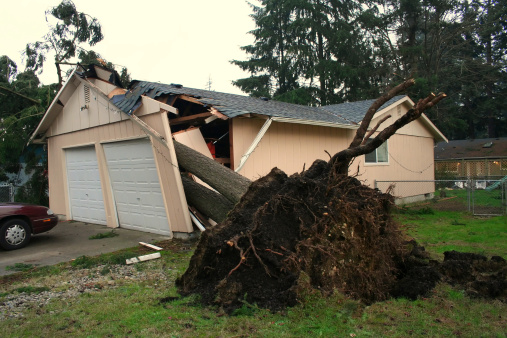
(345, 115)
(232, 105)
(355, 111)
(471, 149)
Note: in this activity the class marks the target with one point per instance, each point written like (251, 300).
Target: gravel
(77, 282)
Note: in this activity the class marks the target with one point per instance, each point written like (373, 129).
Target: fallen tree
(319, 229)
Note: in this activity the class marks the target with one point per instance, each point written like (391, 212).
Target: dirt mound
(311, 230)
(477, 275)
(335, 230)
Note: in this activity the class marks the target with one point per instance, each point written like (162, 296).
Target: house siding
(292, 147)
(288, 146)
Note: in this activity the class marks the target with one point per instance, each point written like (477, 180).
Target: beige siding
(410, 159)
(176, 207)
(291, 147)
(78, 114)
(288, 146)
(106, 87)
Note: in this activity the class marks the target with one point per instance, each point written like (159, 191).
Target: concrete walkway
(69, 240)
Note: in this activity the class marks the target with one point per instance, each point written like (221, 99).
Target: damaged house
(111, 158)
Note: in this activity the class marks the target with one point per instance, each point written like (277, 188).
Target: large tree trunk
(210, 203)
(227, 182)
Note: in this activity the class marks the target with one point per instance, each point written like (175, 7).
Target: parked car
(18, 221)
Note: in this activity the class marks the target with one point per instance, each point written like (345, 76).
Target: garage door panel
(85, 191)
(136, 186)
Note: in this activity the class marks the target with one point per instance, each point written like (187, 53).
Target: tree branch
(371, 132)
(341, 160)
(365, 123)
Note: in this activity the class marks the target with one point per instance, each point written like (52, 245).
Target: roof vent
(488, 145)
(177, 85)
(264, 98)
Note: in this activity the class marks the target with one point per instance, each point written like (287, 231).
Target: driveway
(69, 240)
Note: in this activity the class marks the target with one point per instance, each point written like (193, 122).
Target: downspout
(254, 144)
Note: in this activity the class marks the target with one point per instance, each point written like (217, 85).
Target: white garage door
(136, 186)
(85, 192)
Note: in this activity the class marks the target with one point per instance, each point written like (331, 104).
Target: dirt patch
(314, 230)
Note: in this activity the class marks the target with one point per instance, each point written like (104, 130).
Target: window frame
(375, 151)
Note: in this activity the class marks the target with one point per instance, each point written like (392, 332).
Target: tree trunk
(230, 184)
(210, 203)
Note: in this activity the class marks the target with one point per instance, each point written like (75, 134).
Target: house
(111, 158)
(478, 159)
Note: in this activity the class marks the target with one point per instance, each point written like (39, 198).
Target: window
(379, 155)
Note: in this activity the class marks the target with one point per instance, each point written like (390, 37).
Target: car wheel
(14, 234)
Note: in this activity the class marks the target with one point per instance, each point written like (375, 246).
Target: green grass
(19, 267)
(102, 235)
(481, 197)
(138, 308)
(447, 230)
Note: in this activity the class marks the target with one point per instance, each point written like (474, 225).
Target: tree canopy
(72, 29)
(23, 99)
(320, 52)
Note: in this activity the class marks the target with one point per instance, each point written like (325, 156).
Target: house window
(379, 155)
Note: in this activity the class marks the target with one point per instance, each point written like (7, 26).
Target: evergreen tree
(64, 39)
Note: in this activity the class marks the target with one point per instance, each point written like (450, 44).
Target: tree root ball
(321, 231)
(333, 229)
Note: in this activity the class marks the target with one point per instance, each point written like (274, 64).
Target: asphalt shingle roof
(233, 105)
(355, 111)
(470, 149)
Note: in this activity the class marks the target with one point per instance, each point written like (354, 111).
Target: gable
(86, 103)
(422, 127)
(415, 128)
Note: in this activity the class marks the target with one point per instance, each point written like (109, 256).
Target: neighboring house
(478, 159)
(111, 159)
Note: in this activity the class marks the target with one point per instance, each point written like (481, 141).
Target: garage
(85, 192)
(136, 187)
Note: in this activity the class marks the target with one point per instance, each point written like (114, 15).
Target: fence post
(470, 195)
(504, 197)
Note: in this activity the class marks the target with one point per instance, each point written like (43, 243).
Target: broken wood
(151, 246)
(189, 118)
(144, 258)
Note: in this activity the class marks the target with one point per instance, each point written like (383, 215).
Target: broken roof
(345, 115)
(232, 105)
(471, 149)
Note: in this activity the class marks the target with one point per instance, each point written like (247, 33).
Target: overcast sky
(166, 41)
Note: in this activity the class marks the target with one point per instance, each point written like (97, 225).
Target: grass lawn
(149, 306)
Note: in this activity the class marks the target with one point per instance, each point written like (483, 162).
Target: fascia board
(48, 117)
(314, 123)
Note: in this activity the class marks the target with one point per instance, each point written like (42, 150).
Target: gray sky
(170, 41)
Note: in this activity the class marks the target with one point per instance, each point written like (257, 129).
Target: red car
(18, 221)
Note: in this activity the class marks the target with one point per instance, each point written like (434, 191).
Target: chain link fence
(480, 197)
(6, 193)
